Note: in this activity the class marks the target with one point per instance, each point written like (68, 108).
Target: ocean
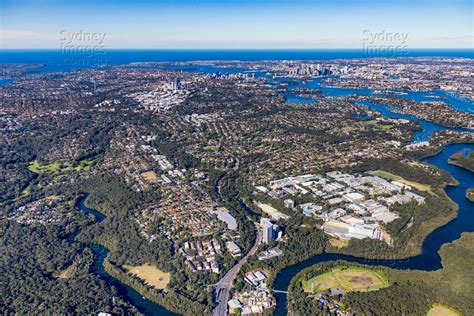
(57, 60)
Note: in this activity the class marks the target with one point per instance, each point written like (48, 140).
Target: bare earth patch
(150, 176)
(443, 310)
(419, 186)
(273, 212)
(338, 243)
(67, 273)
(150, 275)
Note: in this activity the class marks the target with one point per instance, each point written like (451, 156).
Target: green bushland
(186, 293)
(31, 258)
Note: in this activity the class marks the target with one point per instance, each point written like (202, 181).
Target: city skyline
(237, 24)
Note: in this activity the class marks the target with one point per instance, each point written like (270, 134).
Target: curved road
(222, 288)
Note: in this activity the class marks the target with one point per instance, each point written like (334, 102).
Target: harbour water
(455, 101)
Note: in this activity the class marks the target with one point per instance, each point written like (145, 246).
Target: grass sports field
(352, 279)
(55, 167)
(385, 175)
(151, 275)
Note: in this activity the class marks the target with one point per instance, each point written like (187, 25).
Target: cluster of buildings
(183, 211)
(442, 111)
(201, 255)
(238, 75)
(255, 277)
(224, 216)
(8, 123)
(298, 69)
(39, 212)
(163, 97)
(108, 105)
(199, 119)
(351, 206)
(254, 300)
(311, 70)
(185, 208)
(141, 165)
(168, 170)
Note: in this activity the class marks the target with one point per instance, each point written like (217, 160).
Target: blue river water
(428, 260)
(142, 304)
(5, 81)
(428, 127)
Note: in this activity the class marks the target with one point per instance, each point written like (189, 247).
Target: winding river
(427, 260)
(144, 305)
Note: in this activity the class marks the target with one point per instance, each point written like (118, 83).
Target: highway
(222, 288)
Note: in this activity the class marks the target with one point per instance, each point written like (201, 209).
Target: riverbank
(162, 297)
(429, 259)
(470, 194)
(104, 270)
(410, 245)
(463, 160)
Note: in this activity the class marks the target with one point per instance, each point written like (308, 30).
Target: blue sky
(238, 24)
